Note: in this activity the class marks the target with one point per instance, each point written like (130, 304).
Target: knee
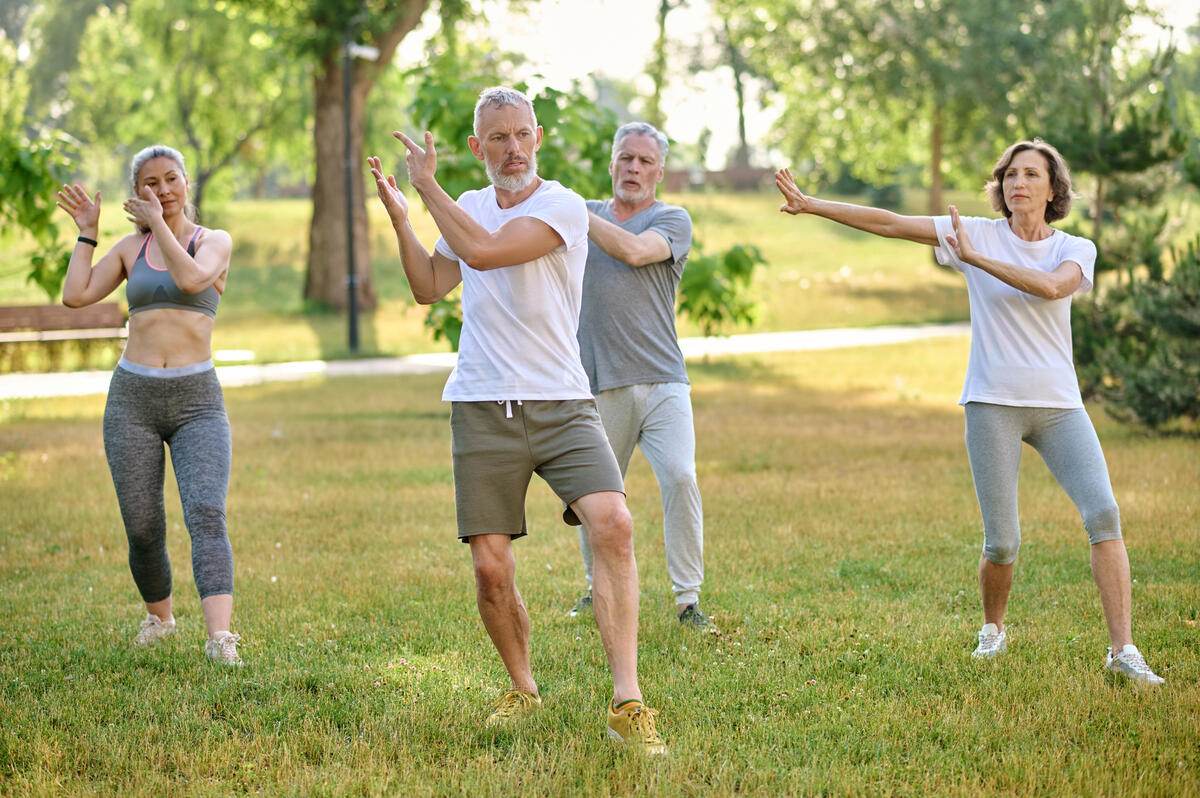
(206, 519)
(146, 538)
(1001, 550)
(612, 533)
(492, 576)
(677, 479)
(1103, 524)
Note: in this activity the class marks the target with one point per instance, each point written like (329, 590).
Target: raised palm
(390, 195)
(84, 210)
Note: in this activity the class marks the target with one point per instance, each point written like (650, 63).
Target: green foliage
(444, 320)
(203, 76)
(888, 80)
(1138, 346)
(714, 289)
(31, 172)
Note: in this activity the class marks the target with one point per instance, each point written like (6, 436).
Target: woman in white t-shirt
(1020, 386)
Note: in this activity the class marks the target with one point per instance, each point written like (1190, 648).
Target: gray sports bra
(150, 287)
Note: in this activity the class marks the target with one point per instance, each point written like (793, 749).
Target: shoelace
(642, 721)
(1134, 660)
(228, 646)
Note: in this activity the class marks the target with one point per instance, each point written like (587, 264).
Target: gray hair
(149, 154)
(642, 129)
(498, 97)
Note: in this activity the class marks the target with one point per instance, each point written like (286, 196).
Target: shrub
(1138, 347)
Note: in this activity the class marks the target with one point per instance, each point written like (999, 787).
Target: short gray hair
(498, 97)
(149, 154)
(642, 129)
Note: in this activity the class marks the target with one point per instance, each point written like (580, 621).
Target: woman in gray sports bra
(164, 390)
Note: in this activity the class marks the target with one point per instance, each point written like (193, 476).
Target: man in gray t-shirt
(637, 247)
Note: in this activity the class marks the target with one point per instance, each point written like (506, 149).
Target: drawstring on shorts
(508, 406)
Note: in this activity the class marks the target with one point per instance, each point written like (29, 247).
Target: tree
(201, 75)
(317, 32)
(1112, 121)
(657, 68)
(31, 170)
(879, 85)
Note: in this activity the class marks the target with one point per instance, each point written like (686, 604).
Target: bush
(714, 290)
(1138, 347)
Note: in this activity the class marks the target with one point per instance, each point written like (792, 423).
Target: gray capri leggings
(182, 407)
(1067, 442)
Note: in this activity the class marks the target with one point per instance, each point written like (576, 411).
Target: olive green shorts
(498, 446)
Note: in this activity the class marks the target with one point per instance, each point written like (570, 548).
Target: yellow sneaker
(633, 724)
(512, 706)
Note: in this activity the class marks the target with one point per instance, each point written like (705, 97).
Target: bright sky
(571, 39)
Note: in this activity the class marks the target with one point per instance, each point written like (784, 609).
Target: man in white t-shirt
(520, 399)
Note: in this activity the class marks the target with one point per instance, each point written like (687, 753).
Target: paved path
(79, 383)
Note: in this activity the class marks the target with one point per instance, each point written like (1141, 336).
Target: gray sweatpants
(184, 408)
(1067, 442)
(658, 418)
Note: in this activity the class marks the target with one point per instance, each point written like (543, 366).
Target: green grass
(842, 536)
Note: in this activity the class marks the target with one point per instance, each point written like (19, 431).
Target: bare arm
(635, 250)
(86, 284)
(430, 277)
(1061, 282)
(518, 241)
(191, 274)
(918, 229)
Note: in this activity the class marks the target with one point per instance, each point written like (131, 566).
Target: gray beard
(511, 182)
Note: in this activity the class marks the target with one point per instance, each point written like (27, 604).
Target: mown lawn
(842, 537)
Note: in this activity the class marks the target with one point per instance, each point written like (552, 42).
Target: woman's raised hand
(84, 210)
(959, 241)
(390, 195)
(143, 209)
(795, 201)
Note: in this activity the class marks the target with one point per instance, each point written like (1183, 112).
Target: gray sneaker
(693, 618)
(1130, 664)
(154, 629)
(992, 642)
(223, 648)
(583, 605)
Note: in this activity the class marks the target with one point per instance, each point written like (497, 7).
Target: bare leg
(500, 606)
(217, 610)
(614, 585)
(995, 583)
(161, 609)
(1110, 569)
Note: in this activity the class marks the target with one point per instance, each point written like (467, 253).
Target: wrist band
(85, 240)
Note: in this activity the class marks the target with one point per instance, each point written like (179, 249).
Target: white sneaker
(154, 629)
(1130, 664)
(992, 642)
(223, 648)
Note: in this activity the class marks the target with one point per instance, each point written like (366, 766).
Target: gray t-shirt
(627, 322)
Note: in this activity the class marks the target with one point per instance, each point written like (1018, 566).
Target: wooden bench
(21, 323)
(34, 336)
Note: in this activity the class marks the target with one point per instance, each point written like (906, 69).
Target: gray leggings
(1067, 443)
(182, 407)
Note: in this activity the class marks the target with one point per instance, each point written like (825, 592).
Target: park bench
(49, 327)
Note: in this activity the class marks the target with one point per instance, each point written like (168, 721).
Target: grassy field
(842, 537)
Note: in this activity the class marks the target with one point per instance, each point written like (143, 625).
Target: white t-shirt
(518, 337)
(1020, 343)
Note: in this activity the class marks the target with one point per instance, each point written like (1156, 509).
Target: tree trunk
(328, 254)
(936, 208)
(742, 158)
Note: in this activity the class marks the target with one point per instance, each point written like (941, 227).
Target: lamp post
(350, 51)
